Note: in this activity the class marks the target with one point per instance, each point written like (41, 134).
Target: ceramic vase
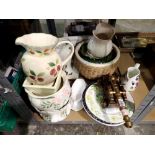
(40, 62)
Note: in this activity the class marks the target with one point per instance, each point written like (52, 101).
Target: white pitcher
(132, 80)
(100, 45)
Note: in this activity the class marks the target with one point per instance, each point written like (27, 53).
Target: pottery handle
(137, 65)
(71, 54)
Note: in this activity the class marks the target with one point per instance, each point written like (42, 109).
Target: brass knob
(126, 118)
(128, 124)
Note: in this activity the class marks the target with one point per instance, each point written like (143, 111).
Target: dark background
(9, 31)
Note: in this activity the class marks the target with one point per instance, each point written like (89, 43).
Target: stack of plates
(92, 100)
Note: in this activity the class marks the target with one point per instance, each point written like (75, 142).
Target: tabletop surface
(125, 61)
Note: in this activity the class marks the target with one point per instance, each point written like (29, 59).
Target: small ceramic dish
(52, 102)
(43, 90)
(92, 100)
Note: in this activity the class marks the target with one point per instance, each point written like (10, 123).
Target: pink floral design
(53, 72)
(58, 67)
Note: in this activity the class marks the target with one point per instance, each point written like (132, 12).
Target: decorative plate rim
(92, 115)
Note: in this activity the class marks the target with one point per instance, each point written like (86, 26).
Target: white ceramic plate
(92, 99)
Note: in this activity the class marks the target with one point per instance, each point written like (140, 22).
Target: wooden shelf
(150, 116)
(138, 95)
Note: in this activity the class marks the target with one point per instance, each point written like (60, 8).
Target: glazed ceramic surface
(43, 90)
(66, 53)
(101, 47)
(78, 88)
(57, 115)
(52, 102)
(40, 62)
(83, 52)
(97, 64)
(93, 98)
(132, 80)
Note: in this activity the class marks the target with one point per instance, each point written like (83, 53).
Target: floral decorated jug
(132, 79)
(40, 62)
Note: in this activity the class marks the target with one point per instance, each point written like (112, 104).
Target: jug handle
(71, 54)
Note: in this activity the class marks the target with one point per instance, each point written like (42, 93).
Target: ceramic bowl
(52, 102)
(92, 70)
(43, 90)
(94, 62)
(56, 115)
(86, 55)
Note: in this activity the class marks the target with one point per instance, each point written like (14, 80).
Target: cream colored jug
(40, 62)
(100, 45)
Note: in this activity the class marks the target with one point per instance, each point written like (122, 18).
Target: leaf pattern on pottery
(32, 72)
(35, 77)
(51, 105)
(45, 52)
(46, 105)
(51, 64)
(38, 51)
(31, 51)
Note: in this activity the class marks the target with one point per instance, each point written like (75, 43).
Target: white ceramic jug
(100, 45)
(132, 80)
(40, 62)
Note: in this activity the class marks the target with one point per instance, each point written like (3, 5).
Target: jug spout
(37, 41)
(20, 41)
